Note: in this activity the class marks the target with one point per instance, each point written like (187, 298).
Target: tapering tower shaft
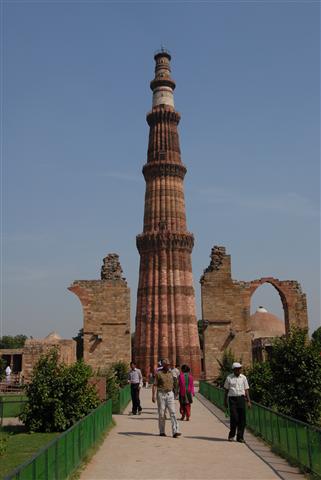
(166, 324)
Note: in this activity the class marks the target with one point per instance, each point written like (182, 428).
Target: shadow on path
(128, 434)
(142, 418)
(210, 439)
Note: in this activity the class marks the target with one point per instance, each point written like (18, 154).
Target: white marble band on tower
(163, 96)
(162, 85)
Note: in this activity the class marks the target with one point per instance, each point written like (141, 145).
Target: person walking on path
(186, 392)
(236, 392)
(163, 387)
(135, 379)
(175, 371)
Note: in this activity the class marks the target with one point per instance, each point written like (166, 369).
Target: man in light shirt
(236, 393)
(163, 391)
(135, 379)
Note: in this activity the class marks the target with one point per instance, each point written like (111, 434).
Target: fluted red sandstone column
(166, 324)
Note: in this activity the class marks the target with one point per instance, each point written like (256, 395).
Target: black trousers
(134, 390)
(237, 416)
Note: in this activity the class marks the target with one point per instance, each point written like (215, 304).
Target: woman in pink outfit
(186, 392)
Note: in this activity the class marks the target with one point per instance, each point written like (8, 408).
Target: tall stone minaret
(166, 324)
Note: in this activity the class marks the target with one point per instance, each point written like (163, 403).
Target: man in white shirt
(175, 370)
(135, 379)
(236, 393)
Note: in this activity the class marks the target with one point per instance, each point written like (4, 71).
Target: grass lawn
(21, 447)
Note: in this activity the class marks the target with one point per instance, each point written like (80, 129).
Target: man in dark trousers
(236, 394)
(135, 379)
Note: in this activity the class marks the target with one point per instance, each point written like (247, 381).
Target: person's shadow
(144, 434)
(210, 439)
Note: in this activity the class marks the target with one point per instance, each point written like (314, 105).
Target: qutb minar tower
(166, 324)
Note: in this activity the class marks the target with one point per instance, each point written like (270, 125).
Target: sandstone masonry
(226, 310)
(166, 325)
(106, 308)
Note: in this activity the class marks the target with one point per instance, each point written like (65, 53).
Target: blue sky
(75, 95)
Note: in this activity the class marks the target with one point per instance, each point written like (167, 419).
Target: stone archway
(226, 310)
(292, 298)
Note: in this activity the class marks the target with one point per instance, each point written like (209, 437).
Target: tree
(8, 341)
(58, 395)
(316, 339)
(3, 365)
(296, 377)
(121, 372)
(225, 367)
(132, 340)
(200, 329)
(260, 379)
(79, 339)
(116, 378)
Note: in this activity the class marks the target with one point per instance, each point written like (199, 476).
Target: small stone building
(106, 310)
(265, 327)
(34, 348)
(226, 310)
(23, 360)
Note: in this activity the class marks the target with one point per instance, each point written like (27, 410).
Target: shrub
(225, 367)
(4, 440)
(296, 377)
(261, 381)
(121, 372)
(58, 395)
(3, 365)
(112, 386)
(316, 340)
(116, 378)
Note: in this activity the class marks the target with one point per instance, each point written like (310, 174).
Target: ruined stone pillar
(106, 309)
(166, 324)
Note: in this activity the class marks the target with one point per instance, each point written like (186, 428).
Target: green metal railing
(62, 456)
(123, 399)
(296, 440)
(11, 405)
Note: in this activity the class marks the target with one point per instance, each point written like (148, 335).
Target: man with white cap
(236, 393)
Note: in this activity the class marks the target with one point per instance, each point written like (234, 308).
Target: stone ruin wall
(34, 348)
(106, 310)
(226, 310)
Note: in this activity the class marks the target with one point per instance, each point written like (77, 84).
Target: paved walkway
(133, 450)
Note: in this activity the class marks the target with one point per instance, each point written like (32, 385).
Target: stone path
(133, 450)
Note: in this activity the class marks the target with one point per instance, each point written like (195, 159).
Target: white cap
(236, 365)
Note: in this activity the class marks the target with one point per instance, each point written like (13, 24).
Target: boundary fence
(292, 438)
(11, 405)
(58, 459)
(63, 455)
